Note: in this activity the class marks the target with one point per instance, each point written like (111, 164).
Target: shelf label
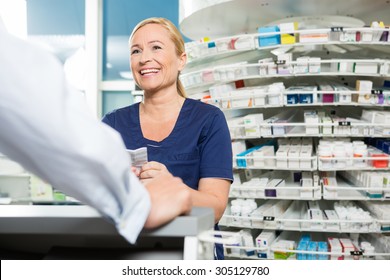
(268, 218)
(377, 91)
(280, 62)
(356, 253)
(344, 123)
(337, 29)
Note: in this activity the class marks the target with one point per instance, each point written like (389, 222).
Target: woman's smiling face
(153, 58)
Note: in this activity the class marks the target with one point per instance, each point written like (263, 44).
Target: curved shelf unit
(305, 225)
(201, 52)
(198, 80)
(269, 90)
(299, 130)
(258, 97)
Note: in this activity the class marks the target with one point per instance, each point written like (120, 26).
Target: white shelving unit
(224, 59)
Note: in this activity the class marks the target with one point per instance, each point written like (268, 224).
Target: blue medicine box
(386, 147)
(322, 247)
(302, 246)
(241, 160)
(306, 98)
(292, 98)
(312, 247)
(271, 39)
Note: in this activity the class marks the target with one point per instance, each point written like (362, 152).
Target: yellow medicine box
(287, 32)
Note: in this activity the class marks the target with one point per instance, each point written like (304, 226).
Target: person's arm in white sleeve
(44, 126)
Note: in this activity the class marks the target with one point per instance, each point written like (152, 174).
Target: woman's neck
(161, 107)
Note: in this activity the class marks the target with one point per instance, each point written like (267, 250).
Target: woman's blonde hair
(175, 36)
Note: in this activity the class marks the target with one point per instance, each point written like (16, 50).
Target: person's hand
(135, 170)
(169, 196)
(150, 170)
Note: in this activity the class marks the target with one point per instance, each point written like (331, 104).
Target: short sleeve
(216, 148)
(109, 119)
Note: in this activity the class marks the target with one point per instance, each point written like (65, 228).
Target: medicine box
(364, 85)
(331, 215)
(335, 249)
(284, 66)
(280, 129)
(311, 117)
(305, 157)
(239, 103)
(247, 240)
(269, 40)
(287, 32)
(330, 187)
(252, 124)
(374, 181)
(259, 95)
(258, 157)
(265, 238)
(263, 65)
(303, 246)
(279, 247)
(302, 65)
(312, 247)
(322, 247)
(281, 157)
(348, 247)
(313, 37)
(314, 65)
(266, 130)
(317, 217)
(271, 189)
(292, 98)
(293, 156)
(365, 68)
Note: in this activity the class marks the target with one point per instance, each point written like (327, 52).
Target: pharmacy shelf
(337, 226)
(198, 80)
(294, 219)
(292, 254)
(220, 61)
(274, 168)
(288, 191)
(270, 163)
(299, 105)
(200, 53)
(284, 197)
(345, 190)
(296, 133)
(249, 163)
(353, 129)
(274, 251)
(240, 99)
(354, 163)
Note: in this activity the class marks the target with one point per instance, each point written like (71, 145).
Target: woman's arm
(214, 193)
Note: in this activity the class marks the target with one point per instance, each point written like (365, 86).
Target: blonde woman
(185, 137)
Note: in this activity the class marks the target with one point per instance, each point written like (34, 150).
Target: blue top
(199, 145)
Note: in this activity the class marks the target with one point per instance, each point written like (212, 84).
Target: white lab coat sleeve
(46, 127)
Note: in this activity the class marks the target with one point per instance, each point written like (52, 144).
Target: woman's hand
(150, 170)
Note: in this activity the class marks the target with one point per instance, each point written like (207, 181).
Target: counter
(79, 232)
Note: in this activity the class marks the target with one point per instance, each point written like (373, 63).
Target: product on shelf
(345, 83)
